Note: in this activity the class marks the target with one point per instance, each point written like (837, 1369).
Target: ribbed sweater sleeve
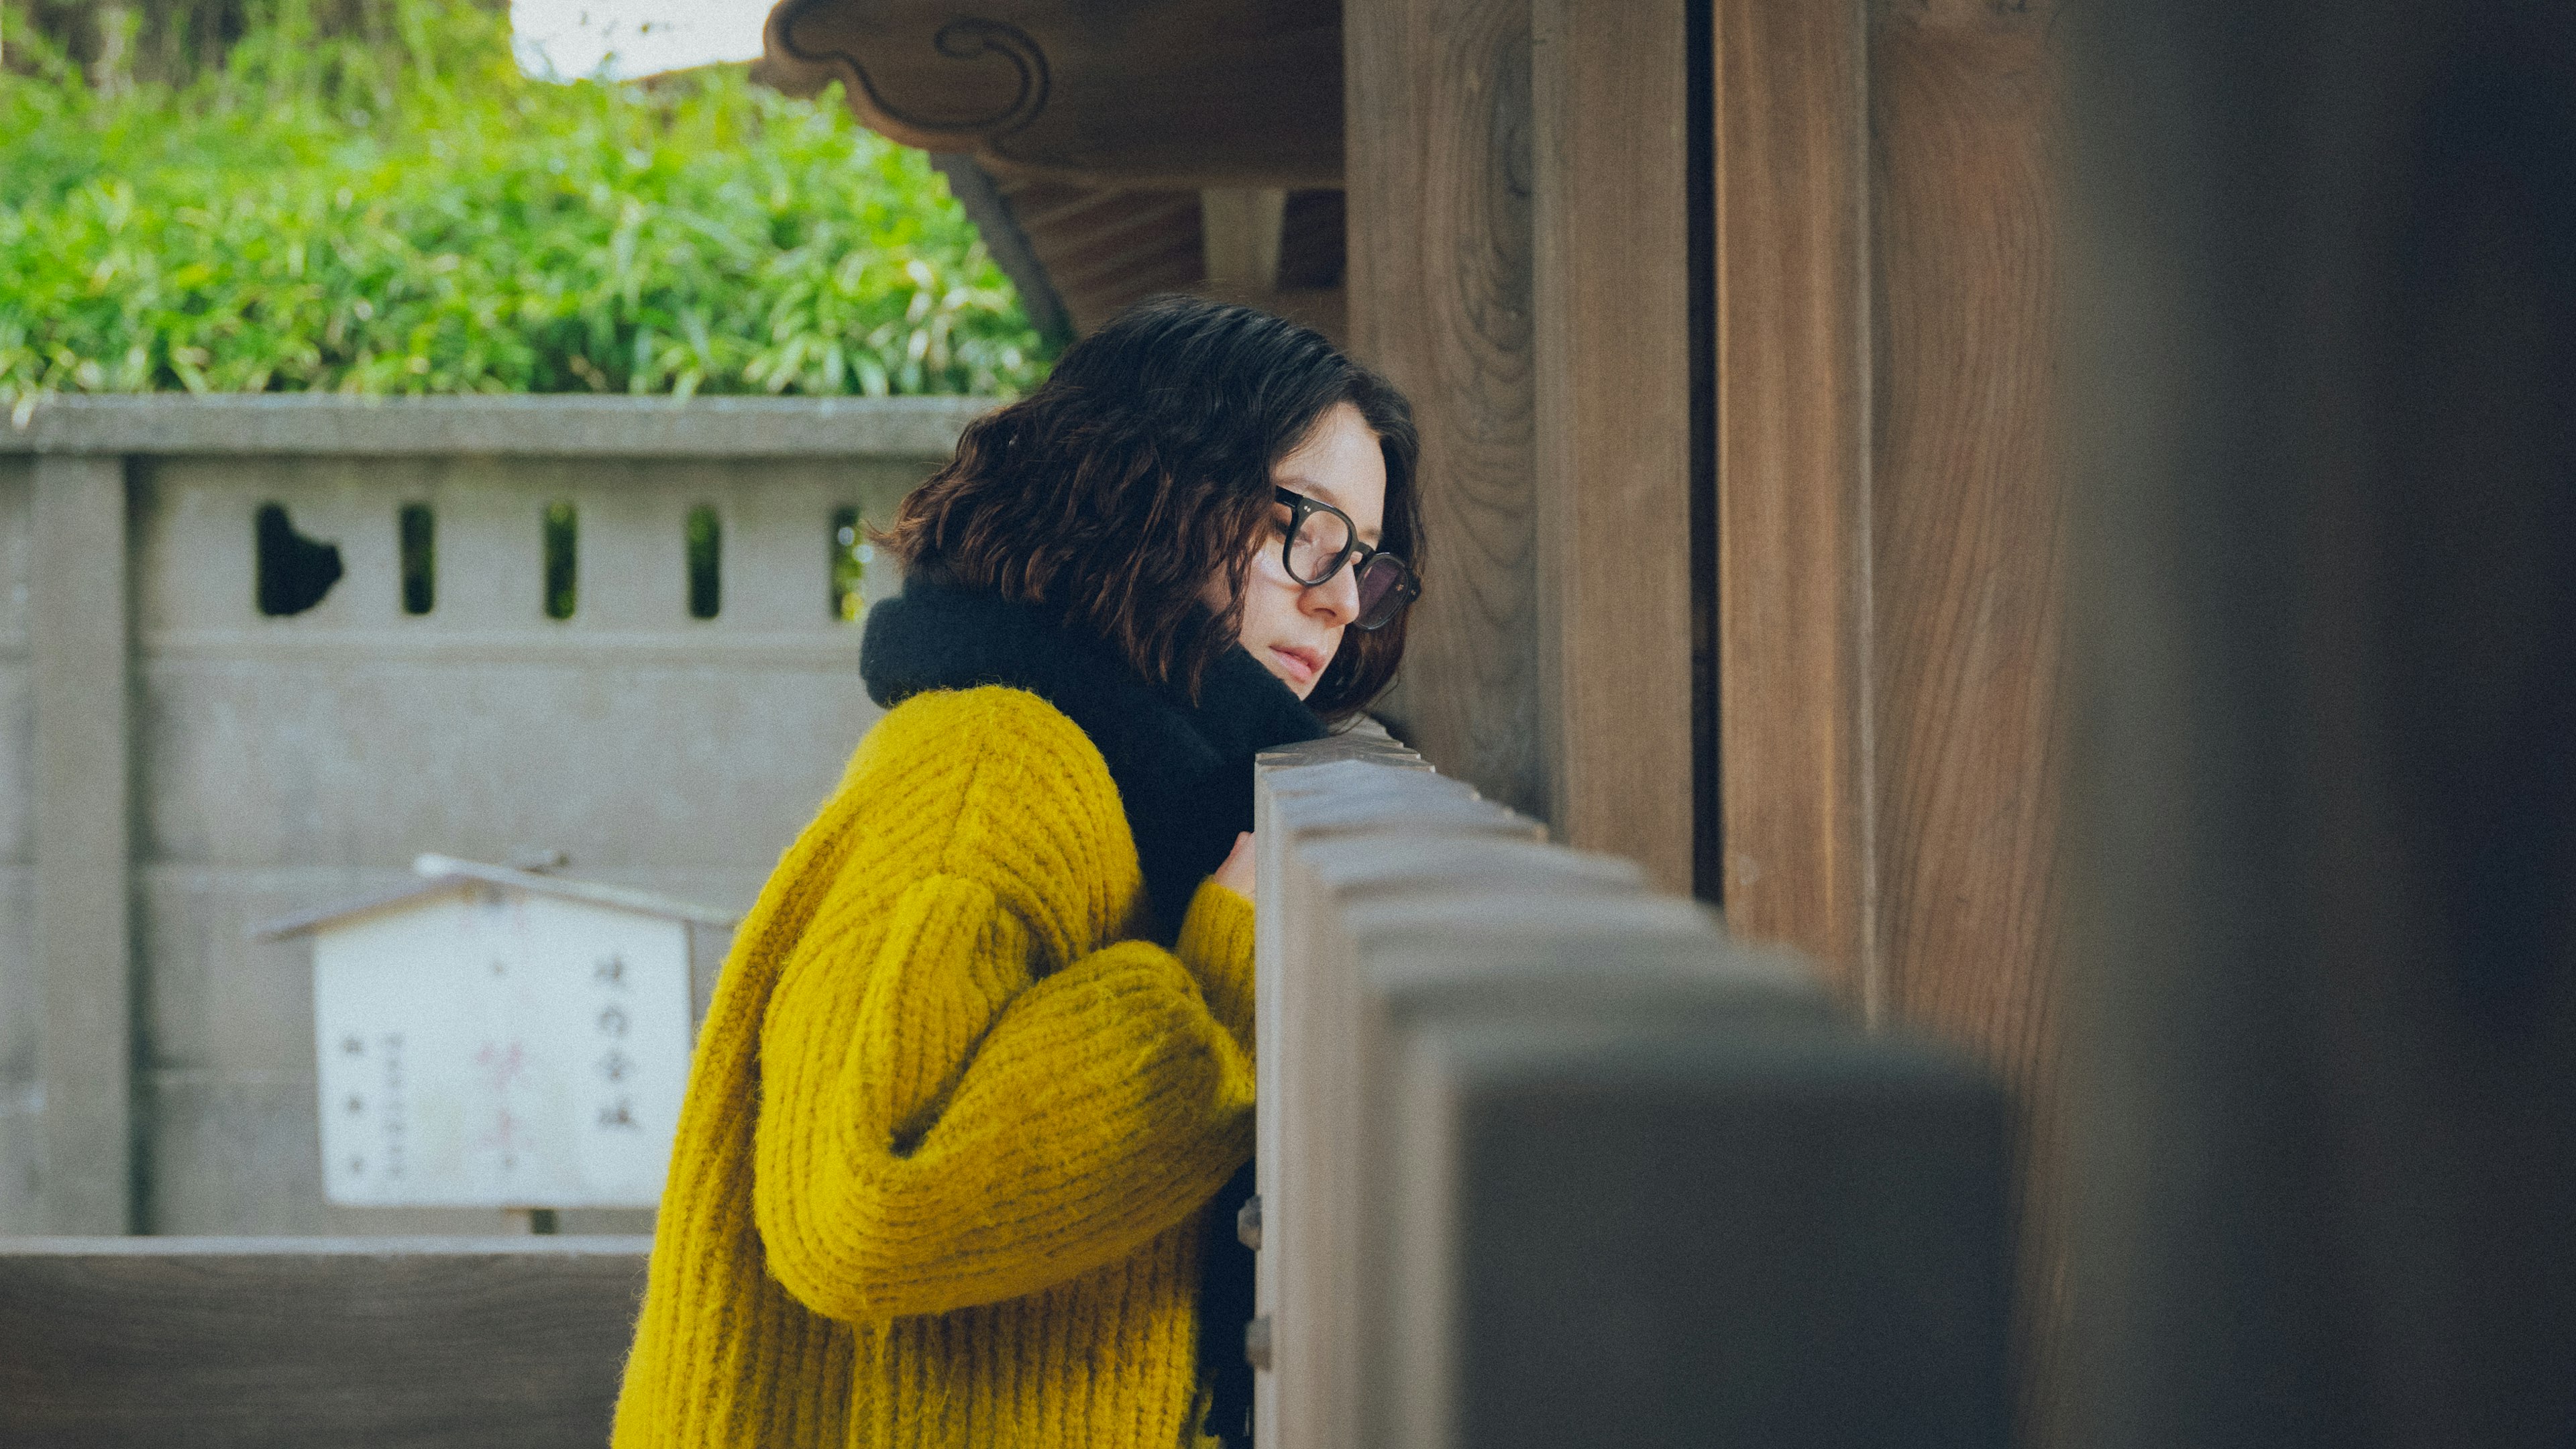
(1216, 944)
(946, 1122)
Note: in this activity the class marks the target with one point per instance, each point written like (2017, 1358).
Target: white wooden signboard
(485, 1046)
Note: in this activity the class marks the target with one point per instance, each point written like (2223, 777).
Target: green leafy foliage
(333, 214)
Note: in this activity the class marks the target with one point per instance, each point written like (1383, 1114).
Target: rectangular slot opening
(563, 564)
(850, 554)
(418, 527)
(706, 555)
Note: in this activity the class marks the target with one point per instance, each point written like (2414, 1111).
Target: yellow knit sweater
(949, 1128)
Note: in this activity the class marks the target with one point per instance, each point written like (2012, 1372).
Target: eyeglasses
(1322, 538)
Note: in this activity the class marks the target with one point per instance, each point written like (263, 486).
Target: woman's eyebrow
(1299, 483)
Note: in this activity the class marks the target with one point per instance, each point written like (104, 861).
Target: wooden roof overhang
(1108, 149)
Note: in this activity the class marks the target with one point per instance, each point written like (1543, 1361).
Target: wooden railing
(1547, 1159)
(313, 1343)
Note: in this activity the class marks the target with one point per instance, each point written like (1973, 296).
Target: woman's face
(1291, 628)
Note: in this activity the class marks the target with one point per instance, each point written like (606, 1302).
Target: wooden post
(1890, 550)
(1438, 177)
(1547, 1159)
(79, 670)
(1794, 504)
(1317, 1386)
(1966, 500)
(1612, 353)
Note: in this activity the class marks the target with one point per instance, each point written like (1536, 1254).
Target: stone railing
(1546, 1159)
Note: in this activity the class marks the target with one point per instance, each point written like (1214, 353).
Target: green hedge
(327, 214)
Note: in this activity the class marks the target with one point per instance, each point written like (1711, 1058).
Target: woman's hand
(1236, 874)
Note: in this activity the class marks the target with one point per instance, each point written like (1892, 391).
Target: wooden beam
(79, 669)
(1239, 235)
(1794, 505)
(289, 1343)
(1139, 93)
(1439, 295)
(1255, 253)
(1611, 288)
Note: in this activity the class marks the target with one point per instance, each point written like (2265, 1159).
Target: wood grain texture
(1127, 93)
(79, 668)
(1968, 578)
(472, 1345)
(1793, 430)
(1439, 294)
(1969, 559)
(1611, 349)
(1087, 253)
(1889, 530)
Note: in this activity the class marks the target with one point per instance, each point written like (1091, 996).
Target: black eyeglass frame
(1358, 555)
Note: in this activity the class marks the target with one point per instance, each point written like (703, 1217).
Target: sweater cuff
(1216, 944)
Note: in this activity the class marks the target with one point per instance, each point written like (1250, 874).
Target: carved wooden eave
(1131, 94)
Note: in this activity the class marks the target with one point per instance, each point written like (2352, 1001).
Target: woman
(972, 1108)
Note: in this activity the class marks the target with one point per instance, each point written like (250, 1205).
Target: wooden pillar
(1966, 492)
(1889, 505)
(79, 671)
(1610, 159)
(1796, 711)
(1967, 580)
(1889, 502)
(1438, 177)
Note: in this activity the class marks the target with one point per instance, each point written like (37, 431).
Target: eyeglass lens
(1379, 595)
(1322, 541)
(1322, 538)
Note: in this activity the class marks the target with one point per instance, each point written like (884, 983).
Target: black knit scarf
(1184, 777)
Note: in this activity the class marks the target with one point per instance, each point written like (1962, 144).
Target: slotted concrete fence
(177, 763)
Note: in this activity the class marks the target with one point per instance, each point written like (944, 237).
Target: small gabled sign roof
(442, 874)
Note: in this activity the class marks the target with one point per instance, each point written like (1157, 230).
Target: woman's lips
(1304, 663)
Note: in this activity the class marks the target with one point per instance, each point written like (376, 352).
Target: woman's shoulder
(996, 785)
(971, 732)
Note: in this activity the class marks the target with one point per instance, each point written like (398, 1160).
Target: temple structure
(1949, 482)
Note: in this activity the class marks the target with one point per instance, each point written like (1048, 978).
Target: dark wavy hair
(1141, 468)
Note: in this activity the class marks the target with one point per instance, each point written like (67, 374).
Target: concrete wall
(277, 763)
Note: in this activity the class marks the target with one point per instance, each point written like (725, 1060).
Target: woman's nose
(1337, 599)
